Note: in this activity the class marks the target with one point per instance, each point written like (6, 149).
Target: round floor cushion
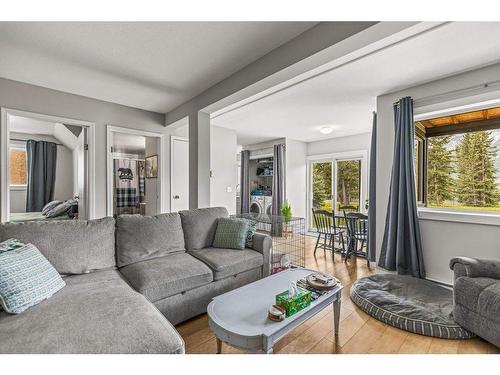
(408, 303)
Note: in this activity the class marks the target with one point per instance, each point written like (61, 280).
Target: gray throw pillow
(252, 228)
(49, 206)
(231, 233)
(26, 279)
(59, 209)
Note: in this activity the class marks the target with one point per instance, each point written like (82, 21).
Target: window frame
(442, 213)
(18, 145)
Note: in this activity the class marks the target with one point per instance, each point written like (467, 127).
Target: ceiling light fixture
(326, 130)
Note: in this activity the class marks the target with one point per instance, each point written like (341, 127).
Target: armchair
(476, 292)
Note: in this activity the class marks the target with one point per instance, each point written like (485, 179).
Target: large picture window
(457, 161)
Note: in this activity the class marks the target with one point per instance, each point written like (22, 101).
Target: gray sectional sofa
(476, 293)
(127, 281)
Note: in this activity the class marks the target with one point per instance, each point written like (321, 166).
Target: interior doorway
(135, 171)
(48, 168)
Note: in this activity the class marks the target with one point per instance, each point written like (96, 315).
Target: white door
(179, 174)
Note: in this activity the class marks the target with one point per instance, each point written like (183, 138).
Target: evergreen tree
(322, 184)
(348, 176)
(440, 170)
(476, 182)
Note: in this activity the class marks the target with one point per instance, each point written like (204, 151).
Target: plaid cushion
(231, 233)
(252, 228)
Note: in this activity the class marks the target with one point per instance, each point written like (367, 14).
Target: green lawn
(466, 208)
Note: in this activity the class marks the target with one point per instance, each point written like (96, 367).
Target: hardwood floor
(359, 333)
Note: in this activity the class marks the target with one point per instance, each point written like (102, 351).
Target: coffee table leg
(336, 316)
(219, 346)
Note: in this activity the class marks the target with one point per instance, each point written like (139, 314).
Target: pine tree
(440, 183)
(322, 184)
(476, 182)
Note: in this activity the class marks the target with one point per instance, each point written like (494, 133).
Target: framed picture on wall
(152, 166)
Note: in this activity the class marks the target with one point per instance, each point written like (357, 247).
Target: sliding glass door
(335, 185)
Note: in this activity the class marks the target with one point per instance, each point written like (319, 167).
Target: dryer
(268, 205)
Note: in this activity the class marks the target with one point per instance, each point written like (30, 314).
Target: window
(457, 161)
(17, 165)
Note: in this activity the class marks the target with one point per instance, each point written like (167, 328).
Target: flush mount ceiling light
(326, 130)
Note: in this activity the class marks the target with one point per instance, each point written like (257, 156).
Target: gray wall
(441, 240)
(64, 174)
(342, 144)
(21, 96)
(223, 150)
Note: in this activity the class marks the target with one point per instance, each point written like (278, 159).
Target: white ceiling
(155, 65)
(345, 97)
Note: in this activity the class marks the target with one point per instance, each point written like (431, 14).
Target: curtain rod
(25, 140)
(456, 94)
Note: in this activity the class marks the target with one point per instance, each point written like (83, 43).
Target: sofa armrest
(471, 267)
(263, 244)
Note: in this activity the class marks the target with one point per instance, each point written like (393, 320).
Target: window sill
(17, 187)
(458, 216)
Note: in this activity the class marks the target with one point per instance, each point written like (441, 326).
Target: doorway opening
(135, 172)
(48, 173)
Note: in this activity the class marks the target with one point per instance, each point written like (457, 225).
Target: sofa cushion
(468, 289)
(489, 302)
(228, 262)
(26, 279)
(94, 313)
(71, 246)
(163, 277)
(231, 233)
(199, 226)
(146, 237)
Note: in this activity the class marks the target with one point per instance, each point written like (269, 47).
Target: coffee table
(239, 317)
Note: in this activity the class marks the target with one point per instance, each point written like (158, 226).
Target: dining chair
(327, 230)
(357, 231)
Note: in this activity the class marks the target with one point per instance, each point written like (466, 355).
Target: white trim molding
(6, 113)
(162, 174)
(456, 216)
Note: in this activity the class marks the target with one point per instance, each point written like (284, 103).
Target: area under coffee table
(239, 318)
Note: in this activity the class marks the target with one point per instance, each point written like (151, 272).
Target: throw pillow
(59, 209)
(252, 228)
(26, 279)
(231, 233)
(49, 206)
(10, 244)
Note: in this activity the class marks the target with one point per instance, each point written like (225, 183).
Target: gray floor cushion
(228, 262)
(95, 313)
(408, 303)
(166, 276)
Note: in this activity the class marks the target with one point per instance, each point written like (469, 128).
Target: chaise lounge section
(127, 282)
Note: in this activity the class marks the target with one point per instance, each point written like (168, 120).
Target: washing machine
(268, 205)
(257, 204)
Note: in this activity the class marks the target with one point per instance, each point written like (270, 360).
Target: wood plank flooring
(359, 333)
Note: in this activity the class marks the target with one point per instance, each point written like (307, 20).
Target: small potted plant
(286, 213)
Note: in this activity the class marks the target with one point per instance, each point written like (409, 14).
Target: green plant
(286, 211)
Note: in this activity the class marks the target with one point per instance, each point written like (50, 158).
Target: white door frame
(172, 139)
(162, 175)
(6, 114)
(333, 158)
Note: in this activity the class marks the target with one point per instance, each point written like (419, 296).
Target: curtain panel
(372, 194)
(41, 164)
(245, 183)
(402, 247)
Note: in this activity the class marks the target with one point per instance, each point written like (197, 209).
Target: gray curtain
(41, 165)
(401, 247)
(372, 192)
(278, 187)
(245, 183)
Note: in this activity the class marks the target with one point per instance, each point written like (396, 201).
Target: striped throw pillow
(231, 233)
(26, 279)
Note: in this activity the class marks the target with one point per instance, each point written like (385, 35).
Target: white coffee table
(239, 317)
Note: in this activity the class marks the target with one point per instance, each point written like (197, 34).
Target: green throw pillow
(231, 233)
(252, 228)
